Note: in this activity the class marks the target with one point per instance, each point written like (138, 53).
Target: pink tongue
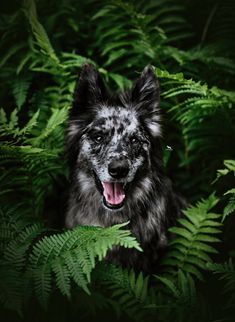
(113, 192)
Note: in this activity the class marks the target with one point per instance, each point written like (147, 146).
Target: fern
(200, 111)
(57, 118)
(230, 208)
(133, 294)
(27, 129)
(12, 223)
(129, 290)
(226, 273)
(181, 297)
(130, 33)
(13, 262)
(229, 169)
(70, 255)
(39, 32)
(20, 89)
(29, 177)
(11, 127)
(190, 248)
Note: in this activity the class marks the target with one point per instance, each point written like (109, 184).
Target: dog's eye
(134, 139)
(98, 138)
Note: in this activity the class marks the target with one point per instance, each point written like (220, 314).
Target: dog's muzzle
(114, 193)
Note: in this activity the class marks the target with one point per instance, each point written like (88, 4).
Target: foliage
(43, 46)
(229, 170)
(227, 274)
(69, 256)
(190, 247)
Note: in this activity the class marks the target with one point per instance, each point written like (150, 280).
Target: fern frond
(181, 299)
(229, 169)
(57, 118)
(42, 284)
(29, 177)
(62, 275)
(10, 126)
(30, 124)
(226, 273)
(136, 33)
(14, 258)
(129, 290)
(12, 222)
(39, 32)
(200, 110)
(189, 249)
(72, 254)
(20, 89)
(69, 256)
(17, 249)
(230, 207)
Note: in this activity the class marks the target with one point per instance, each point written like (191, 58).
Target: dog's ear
(145, 97)
(89, 90)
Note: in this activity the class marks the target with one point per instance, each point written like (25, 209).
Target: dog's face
(113, 136)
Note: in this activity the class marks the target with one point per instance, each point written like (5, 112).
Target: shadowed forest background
(50, 274)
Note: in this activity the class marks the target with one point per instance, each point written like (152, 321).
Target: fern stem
(208, 22)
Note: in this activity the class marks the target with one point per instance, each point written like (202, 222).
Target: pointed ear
(146, 99)
(89, 90)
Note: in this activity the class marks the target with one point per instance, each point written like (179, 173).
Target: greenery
(48, 273)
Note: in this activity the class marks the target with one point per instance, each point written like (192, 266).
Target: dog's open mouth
(113, 194)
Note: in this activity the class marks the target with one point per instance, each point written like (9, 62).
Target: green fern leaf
(31, 123)
(189, 249)
(75, 251)
(62, 276)
(230, 207)
(20, 89)
(42, 282)
(76, 271)
(169, 284)
(39, 32)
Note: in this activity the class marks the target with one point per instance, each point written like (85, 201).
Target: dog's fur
(122, 128)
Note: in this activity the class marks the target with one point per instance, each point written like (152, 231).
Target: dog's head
(111, 139)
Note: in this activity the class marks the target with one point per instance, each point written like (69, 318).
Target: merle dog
(117, 174)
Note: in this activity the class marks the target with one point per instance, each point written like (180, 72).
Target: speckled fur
(151, 206)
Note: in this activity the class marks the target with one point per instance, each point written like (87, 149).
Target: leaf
(189, 250)
(31, 123)
(62, 276)
(169, 284)
(72, 255)
(42, 280)
(3, 117)
(230, 207)
(39, 32)
(20, 87)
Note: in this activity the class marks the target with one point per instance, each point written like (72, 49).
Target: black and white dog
(117, 174)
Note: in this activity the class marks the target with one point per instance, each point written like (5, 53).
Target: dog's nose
(118, 169)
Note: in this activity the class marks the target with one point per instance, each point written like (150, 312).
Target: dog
(116, 166)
